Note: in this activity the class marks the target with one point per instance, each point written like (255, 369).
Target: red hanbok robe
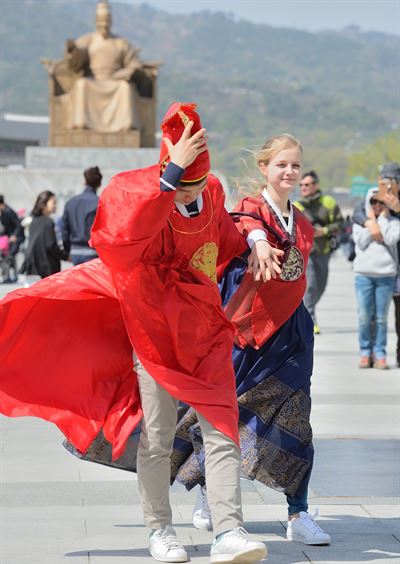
(66, 343)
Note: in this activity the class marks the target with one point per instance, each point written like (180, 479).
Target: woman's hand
(392, 201)
(374, 229)
(188, 148)
(264, 261)
(385, 212)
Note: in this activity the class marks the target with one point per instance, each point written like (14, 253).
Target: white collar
(287, 226)
(182, 208)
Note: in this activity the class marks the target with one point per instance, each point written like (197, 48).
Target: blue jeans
(299, 501)
(373, 296)
(78, 258)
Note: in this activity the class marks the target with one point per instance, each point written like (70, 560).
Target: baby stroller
(7, 261)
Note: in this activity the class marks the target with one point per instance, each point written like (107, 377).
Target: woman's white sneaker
(201, 517)
(304, 529)
(235, 547)
(165, 546)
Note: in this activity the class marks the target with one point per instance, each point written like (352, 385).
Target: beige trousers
(222, 461)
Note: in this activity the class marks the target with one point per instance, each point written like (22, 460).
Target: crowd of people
(44, 242)
(214, 312)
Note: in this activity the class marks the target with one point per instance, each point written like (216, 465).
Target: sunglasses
(374, 202)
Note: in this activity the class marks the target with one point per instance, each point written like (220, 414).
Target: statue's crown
(103, 7)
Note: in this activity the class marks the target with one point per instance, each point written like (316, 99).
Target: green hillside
(336, 91)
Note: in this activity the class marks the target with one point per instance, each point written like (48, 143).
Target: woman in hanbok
(273, 350)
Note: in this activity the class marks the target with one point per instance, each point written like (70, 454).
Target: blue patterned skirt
(273, 389)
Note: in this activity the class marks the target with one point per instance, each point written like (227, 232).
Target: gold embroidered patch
(205, 260)
(293, 267)
(184, 117)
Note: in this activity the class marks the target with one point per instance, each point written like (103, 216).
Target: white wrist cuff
(254, 236)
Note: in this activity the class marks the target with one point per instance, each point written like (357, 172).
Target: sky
(310, 15)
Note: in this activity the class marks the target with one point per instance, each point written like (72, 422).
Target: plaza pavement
(56, 509)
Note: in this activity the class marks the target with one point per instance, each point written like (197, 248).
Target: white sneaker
(165, 547)
(201, 517)
(235, 547)
(306, 530)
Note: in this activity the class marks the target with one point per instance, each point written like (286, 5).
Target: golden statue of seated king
(102, 86)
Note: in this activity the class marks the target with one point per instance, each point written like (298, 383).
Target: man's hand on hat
(188, 148)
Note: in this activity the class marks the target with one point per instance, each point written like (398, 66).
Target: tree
(367, 161)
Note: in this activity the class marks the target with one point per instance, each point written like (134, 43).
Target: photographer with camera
(388, 193)
(324, 214)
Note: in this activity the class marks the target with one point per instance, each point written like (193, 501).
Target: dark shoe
(381, 364)
(365, 362)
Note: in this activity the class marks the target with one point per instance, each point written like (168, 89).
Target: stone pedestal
(86, 138)
(80, 158)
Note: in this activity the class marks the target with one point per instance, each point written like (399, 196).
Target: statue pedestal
(84, 157)
(85, 138)
(60, 169)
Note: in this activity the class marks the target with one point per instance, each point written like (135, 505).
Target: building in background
(17, 131)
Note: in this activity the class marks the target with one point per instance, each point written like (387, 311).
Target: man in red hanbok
(67, 343)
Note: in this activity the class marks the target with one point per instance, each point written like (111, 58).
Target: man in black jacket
(79, 214)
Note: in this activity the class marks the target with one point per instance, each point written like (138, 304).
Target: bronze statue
(104, 99)
(102, 86)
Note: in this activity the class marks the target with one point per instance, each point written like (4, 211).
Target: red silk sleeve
(231, 242)
(247, 224)
(132, 211)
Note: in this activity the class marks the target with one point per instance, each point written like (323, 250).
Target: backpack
(346, 240)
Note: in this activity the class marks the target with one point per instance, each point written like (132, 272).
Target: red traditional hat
(175, 120)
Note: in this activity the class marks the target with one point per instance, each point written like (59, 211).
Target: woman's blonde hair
(272, 146)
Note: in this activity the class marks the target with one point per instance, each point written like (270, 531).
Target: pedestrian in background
(10, 227)
(390, 173)
(78, 218)
(325, 216)
(43, 255)
(375, 268)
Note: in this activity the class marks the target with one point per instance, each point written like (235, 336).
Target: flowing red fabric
(65, 356)
(66, 343)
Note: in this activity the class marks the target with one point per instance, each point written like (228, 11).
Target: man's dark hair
(313, 175)
(1, 199)
(93, 177)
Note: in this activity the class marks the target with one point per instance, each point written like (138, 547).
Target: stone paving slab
(56, 509)
(28, 460)
(113, 535)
